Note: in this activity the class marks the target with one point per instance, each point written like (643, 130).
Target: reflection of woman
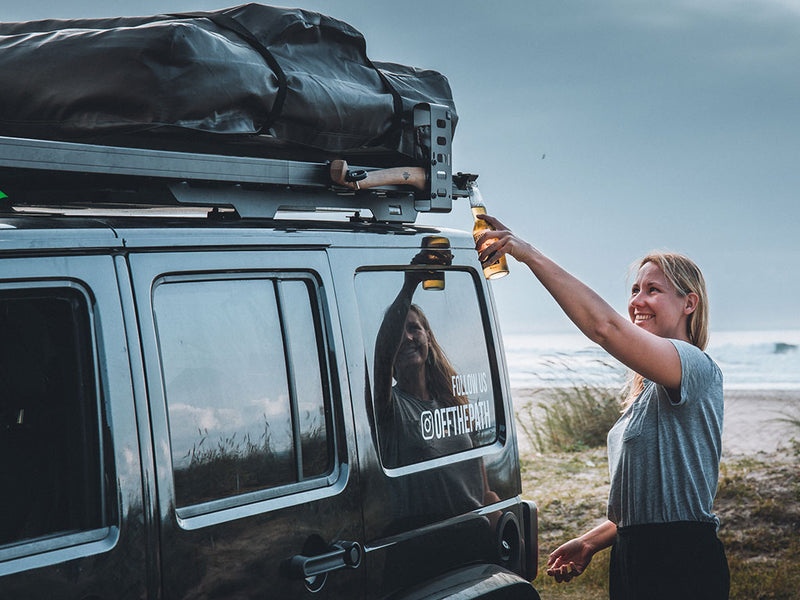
(407, 351)
(664, 451)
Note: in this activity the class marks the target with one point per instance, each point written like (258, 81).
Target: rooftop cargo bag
(274, 77)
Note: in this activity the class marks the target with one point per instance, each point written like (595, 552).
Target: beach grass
(569, 419)
(758, 503)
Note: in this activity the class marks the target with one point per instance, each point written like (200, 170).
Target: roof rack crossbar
(265, 203)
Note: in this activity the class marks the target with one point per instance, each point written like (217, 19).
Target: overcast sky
(601, 130)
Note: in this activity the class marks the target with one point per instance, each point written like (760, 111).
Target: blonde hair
(686, 277)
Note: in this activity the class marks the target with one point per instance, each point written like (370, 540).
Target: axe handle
(413, 176)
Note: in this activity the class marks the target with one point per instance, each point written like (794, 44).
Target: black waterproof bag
(253, 79)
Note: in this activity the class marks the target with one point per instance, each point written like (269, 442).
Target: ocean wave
(748, 360)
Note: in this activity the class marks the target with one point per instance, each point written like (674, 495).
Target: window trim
(319, 311)
(56, 541)
(220, 504)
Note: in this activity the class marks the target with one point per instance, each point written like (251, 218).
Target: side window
(52, 467)
(246, 385)
(431, 371)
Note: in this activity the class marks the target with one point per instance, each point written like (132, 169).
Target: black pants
(670, 561)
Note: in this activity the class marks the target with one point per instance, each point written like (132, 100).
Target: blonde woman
(664, 451)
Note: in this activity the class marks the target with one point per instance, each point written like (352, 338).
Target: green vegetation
(570, 489)
(758, 501)
(570, 419)
(793, 420)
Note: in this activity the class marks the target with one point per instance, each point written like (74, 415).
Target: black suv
(213, 401)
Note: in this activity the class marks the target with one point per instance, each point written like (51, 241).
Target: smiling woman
(669, 272)
(664, 451)
(655, 305)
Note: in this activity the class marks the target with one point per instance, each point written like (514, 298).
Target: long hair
(438, 370)
(686, 277)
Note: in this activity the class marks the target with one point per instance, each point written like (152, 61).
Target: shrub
(570, 419)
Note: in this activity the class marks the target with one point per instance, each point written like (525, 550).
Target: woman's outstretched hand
(569, 560)
(492, 244)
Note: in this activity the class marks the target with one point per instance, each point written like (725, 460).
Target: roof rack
(45, 172)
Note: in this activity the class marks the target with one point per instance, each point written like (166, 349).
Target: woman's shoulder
(698, 369)
(693, 356)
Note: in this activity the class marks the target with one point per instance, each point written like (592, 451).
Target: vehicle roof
(47, 230)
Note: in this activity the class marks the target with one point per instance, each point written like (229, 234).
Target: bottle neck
(478, 210)
(476, 198)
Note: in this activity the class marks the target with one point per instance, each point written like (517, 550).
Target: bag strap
(225, 21)
(397, 103)
(396, 128)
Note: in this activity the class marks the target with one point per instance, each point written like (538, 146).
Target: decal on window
(456, 420)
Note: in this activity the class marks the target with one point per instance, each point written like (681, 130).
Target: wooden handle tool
(413, 176)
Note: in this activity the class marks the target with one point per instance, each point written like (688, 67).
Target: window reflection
(233, 425)
(431, 373)
(305, 346)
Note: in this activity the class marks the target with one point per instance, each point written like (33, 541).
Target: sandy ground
(752, 419)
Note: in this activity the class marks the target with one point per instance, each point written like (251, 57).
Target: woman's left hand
(569, 560)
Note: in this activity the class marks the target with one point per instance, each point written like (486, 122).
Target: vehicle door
(439, 472)
(254, 449)
(72, 523)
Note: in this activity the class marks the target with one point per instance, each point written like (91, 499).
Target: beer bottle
(498, 268)
(437, 244)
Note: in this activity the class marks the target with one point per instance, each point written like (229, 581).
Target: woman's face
(656, 306)
(413, 351)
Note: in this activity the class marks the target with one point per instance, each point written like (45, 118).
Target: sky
(602, 130)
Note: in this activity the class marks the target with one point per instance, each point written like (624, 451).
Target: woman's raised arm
(390, 335)
(653, 357)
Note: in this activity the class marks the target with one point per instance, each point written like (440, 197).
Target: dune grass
(569, 419)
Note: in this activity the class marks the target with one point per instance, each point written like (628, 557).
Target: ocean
(754, 360)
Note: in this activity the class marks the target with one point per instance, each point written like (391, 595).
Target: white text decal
(469, 383)
(455, 420)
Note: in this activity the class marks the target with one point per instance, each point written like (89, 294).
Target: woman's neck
(415, 385)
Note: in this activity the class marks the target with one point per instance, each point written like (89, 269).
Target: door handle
(341, 555)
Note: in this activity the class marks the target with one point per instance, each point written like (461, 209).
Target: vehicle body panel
(109, 562)
(239, 546)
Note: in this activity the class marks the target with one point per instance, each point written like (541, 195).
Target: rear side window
(246, 385)
(431, 370)
(52, 467)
